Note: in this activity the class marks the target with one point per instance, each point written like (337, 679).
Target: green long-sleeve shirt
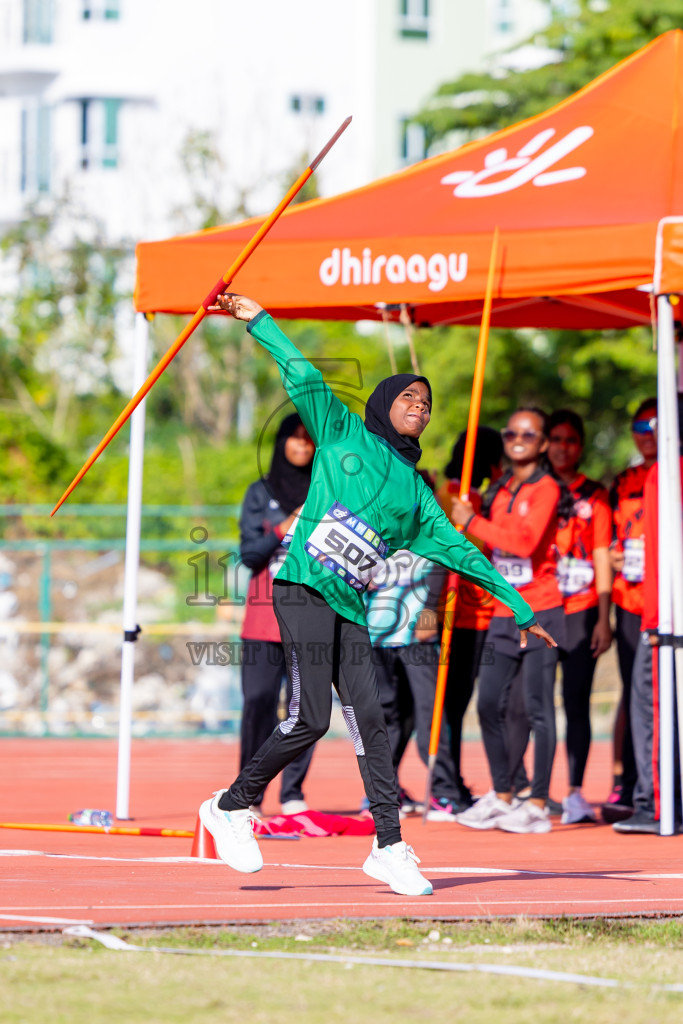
(365, 500)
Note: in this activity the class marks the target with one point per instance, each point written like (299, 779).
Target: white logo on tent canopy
(529, 165)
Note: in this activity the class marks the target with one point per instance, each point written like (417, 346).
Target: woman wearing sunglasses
(585, 577)
(517, 523)
(628, 562)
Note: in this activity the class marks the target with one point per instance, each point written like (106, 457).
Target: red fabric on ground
(315, 824)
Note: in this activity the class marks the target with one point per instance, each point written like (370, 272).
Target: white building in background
(99, 97)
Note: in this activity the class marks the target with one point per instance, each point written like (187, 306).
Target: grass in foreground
(61, 978)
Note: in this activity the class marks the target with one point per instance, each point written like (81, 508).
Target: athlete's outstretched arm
(325, 417)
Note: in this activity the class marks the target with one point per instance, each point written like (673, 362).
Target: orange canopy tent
(577, 193)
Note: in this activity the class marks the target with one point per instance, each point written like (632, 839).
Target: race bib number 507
(348, 546)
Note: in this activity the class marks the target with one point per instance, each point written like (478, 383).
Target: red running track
(51, 880)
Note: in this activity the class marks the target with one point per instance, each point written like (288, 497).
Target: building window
(302, 104)
(413, 142)
(413, 19)
(38, 21)
(102, 10)
(35, 149)
(100, 133)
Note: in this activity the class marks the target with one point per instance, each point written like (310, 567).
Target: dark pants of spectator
(645, 725)
(406, 677)
(578, 669)
(534, 668)
(628, 638)
(467, 646)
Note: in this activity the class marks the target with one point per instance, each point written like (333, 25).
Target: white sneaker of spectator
(293, 807)
(525, 817)
(484, 812)
(233, 834)
(397, 866)
(576, 809)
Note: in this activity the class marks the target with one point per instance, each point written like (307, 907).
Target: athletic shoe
(576, 809)
(441, 810)
(293, 807)
(233, 834)
(640, 822)
(408, 805)
(524, 818)
(619, 811)
(397, 866)
(484, 812)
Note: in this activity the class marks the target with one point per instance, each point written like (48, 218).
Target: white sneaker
(397, 866)
(575, 809)
(485, 812)
(525, 817)
(293, 807)
(233, 834)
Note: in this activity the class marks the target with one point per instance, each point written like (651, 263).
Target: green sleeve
(438, 540)
(325, 417)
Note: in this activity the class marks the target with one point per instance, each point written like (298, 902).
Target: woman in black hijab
(270, 507)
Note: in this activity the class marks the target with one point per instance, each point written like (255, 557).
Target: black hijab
(286, 483)
(378, 408)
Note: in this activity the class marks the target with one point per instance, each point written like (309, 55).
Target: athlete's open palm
(539, 632)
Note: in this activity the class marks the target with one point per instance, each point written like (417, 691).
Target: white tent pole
(676, 554)
(667, 465)
(132, 564)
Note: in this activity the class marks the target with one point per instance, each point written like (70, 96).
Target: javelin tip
(328, 146)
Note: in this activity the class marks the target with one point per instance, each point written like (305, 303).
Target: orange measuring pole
(210, 299)
(465, 482)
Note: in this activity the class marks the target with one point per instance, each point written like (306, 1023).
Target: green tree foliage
(587, 37)
(57, 335)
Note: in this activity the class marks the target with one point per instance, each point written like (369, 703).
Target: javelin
(466, 480)
(210, 299)
(112, 830)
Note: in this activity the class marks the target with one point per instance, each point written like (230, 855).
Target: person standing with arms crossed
(366, 500)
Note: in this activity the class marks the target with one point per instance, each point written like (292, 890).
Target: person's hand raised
(238, 306)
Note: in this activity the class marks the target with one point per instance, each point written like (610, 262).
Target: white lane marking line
(631, 876)
(44, 920)
(509, 970)
(391, 899)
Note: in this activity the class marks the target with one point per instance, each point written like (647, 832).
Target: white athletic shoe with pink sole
(397, 866)
(484, 812)
(233, 834)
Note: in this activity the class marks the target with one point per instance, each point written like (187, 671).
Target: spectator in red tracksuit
(519, 530)
(585, 579)
(645, 685)
(269, 509)
(628, 561)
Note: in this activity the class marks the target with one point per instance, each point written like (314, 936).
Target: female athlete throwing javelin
(365, 501)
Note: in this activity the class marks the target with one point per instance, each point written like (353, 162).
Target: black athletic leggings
(322, 647)
(263, 669)
(535, 666)
(578, 669)
(628, 638)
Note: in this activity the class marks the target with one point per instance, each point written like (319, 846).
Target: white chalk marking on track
(45, 920)
(509, 970)
(631, 876)
(425, 903)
